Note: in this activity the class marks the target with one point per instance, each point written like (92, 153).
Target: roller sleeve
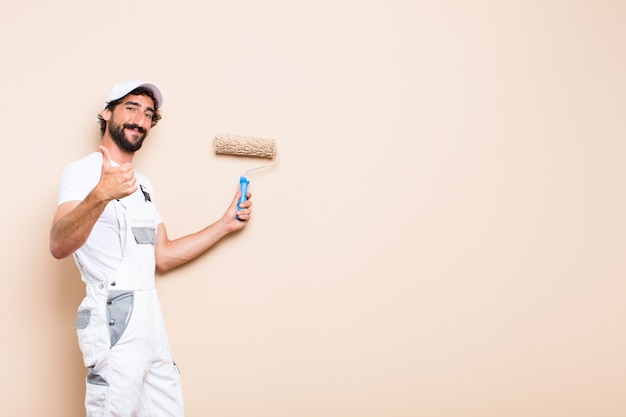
(245, 146)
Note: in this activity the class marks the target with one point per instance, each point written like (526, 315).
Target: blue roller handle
(243, 186)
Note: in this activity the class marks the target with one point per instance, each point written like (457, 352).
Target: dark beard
(119, 136)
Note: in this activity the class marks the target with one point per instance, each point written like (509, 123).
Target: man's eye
(130, 108)
(149, 116)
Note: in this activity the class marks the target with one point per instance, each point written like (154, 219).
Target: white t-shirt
(102, 254)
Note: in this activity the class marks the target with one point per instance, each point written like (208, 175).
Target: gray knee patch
(96, 379)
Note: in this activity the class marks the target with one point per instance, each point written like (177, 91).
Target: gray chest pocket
(144, 235)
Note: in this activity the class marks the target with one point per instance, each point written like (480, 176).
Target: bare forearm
(73, 224)
(173, 253)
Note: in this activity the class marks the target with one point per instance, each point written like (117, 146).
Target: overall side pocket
(119, 310)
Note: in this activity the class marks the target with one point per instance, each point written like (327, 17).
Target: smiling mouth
(135, 128)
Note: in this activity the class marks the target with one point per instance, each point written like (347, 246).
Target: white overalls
(122, 334)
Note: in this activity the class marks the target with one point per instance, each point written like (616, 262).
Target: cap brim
(122, 89)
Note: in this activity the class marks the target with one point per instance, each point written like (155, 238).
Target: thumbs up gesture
(116, 181)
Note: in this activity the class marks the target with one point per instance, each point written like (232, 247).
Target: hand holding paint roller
(226, 144)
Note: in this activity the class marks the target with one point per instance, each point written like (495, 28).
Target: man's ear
(106, 114)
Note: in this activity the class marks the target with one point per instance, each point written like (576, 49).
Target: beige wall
(443, 235)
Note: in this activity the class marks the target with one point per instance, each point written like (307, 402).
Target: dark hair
(139, 91)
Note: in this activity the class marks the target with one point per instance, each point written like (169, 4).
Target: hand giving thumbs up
(116, 181)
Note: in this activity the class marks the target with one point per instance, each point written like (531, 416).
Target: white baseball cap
(122, 89)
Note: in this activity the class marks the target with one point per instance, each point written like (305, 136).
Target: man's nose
(139, 119)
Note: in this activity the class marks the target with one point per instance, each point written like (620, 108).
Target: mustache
(134, 126)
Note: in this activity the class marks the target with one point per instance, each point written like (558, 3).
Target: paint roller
(227, 144)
